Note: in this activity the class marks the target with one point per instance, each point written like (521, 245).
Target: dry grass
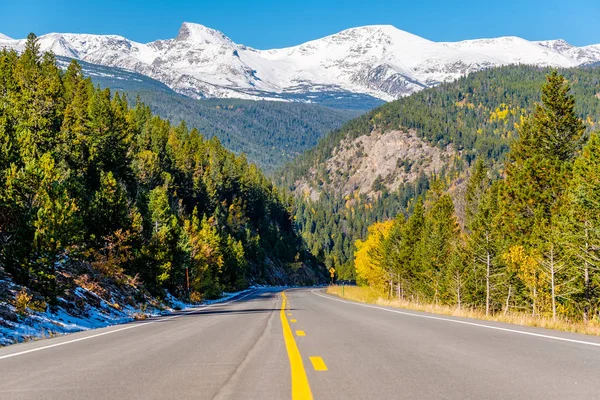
(91, 285)
(372, 296)
(140, 316)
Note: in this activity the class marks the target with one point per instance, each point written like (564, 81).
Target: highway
(302, 344)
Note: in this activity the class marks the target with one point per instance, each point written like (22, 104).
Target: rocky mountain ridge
(378, 60)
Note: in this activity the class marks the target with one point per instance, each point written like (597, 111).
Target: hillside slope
(473, 116)
(94, 192)
(523, 242)
(376, 165)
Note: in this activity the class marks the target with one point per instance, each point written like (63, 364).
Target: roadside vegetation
(528, 242)
(476, 115)
(369, 295)
(86, 179)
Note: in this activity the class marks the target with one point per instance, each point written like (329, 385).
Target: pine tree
(558, 128)
(457, 272)
(56, 221)
(108, 209)
(234, 264)
(411, 249)
(479, 183)
(537, 174)
(163, 244)
(207, 256)
(584, 243)
(440, 233)
(37, 103)
(74, 137)
(482, 242)
(394, 254)
(86, 178)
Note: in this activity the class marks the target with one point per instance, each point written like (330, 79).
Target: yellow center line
(300, 333)
(293, 321)
(300, 386)
(290, 313)
(318, 363)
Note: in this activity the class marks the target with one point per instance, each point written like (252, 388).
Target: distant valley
(270, 133)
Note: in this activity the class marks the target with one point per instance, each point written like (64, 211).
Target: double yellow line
(300, 387)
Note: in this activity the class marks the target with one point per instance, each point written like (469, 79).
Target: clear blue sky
(269, 24)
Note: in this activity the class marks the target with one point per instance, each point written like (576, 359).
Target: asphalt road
(303, 343)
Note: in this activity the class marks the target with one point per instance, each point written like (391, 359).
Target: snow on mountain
(587, 54)
(378, 60)
(559, 46)
(581, 55)
(514, 50)
(4, 37)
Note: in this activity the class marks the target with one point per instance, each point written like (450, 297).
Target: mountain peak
(198, 33)
(559, 45)
(387, 30)
(4, 37)
(374, 60)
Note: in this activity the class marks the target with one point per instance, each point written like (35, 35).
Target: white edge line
(125, 328)
(462, 322)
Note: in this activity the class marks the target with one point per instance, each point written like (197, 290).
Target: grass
(372, 296)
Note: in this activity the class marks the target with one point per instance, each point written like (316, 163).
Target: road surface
(302, 343)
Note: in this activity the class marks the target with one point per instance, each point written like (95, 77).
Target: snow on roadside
(39, 325)
(230, 295)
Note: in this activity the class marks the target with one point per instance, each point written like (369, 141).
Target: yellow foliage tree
(519, 260)
(368, 255)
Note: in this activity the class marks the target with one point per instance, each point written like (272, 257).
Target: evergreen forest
(87, 178)
(529, 240)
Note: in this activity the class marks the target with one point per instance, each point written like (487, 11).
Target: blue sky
(269, 24)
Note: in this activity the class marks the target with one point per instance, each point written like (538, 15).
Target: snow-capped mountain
(514, 50)
(379, 60)
(581, 55)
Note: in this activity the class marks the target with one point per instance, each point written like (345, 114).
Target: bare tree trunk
(458, 284)
(402, 290)
(586, 280)
(507, 299)
(487, 285)
(586, 307)
(552, 283)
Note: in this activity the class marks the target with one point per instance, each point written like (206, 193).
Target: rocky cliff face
(368, 163)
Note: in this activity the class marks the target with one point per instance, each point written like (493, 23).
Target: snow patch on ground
(59, 321)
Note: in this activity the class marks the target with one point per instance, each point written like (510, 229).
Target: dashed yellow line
(289, 313)
(293, 321)
(300, 386)
(318, 363)
(300, 333)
